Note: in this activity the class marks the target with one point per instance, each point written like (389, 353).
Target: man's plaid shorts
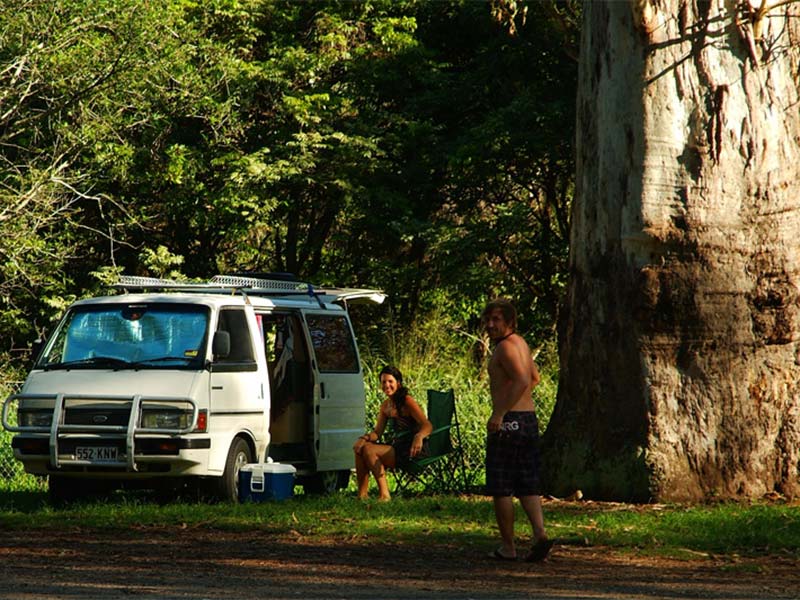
(512, 457)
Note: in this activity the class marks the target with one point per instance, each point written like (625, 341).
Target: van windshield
(129, 336)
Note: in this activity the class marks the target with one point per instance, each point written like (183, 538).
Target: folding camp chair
(443, 470)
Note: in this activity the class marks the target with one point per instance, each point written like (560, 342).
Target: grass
(722, 529)
(731, 530)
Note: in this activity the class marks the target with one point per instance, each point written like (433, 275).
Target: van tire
(326, 482)
(227, 486)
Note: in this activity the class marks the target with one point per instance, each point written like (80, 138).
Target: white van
(169, 380)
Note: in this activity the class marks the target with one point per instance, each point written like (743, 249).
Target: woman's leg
(362, 475)
(379, 457)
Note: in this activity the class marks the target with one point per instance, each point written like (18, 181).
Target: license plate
(96, 453)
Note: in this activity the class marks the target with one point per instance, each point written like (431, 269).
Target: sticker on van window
(190, 353)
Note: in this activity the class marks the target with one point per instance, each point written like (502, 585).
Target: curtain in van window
(333, 343)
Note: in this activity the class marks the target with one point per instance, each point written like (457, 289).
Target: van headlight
(166, 419)
(35, 417)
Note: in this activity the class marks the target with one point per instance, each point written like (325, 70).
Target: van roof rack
(274, 275)
(253, 286)
(257, 283)
(219, 282)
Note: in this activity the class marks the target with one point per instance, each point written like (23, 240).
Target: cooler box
(266, 481)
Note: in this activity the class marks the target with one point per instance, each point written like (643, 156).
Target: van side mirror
(36, 349)
(221, 345)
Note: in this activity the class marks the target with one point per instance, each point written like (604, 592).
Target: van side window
(333, 343)
(234, 321)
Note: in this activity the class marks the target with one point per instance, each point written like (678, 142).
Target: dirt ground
(205, 563)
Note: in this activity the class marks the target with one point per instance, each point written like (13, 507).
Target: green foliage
(413, 146)
(160, 262)
(107, 276)
(69, 75)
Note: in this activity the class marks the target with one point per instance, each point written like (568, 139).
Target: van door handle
(321, 390)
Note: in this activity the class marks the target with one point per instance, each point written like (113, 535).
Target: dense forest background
(421, 147)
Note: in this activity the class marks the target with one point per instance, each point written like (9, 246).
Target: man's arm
(535, 378)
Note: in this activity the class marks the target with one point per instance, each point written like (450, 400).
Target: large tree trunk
(679, 340)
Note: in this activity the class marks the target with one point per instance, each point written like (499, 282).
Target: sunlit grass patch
(681, 532)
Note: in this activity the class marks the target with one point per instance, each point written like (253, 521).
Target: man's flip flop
(539, 551)
(497, 555)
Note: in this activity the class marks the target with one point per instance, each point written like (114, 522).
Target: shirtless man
(512, 446)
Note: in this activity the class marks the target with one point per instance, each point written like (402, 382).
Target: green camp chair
(443, 470)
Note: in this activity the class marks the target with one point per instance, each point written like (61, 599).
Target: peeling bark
(680, 361)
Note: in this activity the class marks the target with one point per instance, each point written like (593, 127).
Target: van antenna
(313, 294)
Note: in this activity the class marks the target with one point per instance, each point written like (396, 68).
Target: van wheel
(326, 482)
(228, 485)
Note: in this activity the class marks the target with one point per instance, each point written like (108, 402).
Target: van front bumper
(151, 455)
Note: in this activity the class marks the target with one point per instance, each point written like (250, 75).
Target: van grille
(96, 416)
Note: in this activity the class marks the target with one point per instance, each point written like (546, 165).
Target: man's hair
(506, 309)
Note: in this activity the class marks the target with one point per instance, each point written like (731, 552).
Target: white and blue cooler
(259, 482)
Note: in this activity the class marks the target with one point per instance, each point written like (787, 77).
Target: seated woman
(406, 416)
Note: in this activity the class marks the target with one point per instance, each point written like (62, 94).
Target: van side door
(239, 399)
(339, 396)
